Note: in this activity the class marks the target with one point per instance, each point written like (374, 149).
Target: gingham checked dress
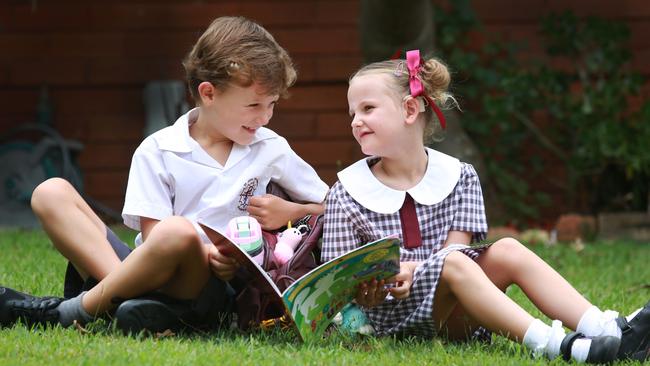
(360, 209)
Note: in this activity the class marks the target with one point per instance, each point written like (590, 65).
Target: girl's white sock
(580, 349)
(546, 340)
(595, 322)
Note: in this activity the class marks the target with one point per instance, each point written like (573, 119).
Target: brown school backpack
(254, 304)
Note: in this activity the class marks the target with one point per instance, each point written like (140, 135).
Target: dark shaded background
(95, 58)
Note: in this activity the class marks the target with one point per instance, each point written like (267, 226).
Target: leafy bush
(562, 120)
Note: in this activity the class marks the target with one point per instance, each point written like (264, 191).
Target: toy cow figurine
(288, 241)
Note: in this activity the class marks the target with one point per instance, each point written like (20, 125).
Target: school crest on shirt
(249, 188)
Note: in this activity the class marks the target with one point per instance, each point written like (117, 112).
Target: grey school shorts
(216, 300)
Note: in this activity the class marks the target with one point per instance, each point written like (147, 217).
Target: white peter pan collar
(440, 179)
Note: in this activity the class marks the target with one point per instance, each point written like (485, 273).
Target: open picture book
(313, 300)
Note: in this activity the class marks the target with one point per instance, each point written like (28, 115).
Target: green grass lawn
(611, 275)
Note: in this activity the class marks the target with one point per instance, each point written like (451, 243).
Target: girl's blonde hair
(238, 50)
(435, 79)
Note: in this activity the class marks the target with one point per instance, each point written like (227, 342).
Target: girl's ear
(207, 92)
(412, 109)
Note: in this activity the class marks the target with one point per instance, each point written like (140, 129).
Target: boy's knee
(49, 193)
(176, 234)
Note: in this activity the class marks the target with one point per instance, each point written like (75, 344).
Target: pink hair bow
(413, 62)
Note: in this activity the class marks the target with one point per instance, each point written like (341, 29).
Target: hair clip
(425, 103)
(399, 69)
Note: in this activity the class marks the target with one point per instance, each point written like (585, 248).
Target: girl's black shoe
(635, 337)
(603, 349)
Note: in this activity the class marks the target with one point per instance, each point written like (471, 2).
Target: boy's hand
(403, 280)
(371, 293)
(272, 212)
(222, 266)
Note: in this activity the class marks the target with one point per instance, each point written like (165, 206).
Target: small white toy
(288, 241)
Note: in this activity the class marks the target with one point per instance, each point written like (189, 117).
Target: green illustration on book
(313, 300)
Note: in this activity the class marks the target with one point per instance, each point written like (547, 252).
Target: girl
(217, 156)
(434, 202)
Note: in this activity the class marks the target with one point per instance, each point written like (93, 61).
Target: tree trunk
(389, 28)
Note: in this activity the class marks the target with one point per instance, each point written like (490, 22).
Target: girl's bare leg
(172, 260)
(464, 282)
(507, 261)
(75, 230)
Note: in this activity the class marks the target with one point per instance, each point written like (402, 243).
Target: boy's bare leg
(509, 262)
(172, 259)
(464, 283)
(75, 230)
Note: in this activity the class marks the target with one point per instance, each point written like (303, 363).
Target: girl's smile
(376, 114)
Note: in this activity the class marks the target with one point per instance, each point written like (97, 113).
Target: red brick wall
(95, 57)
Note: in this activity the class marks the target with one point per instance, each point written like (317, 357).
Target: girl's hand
(371, 293)
(222, 266)
(272, 212)
(403, 280)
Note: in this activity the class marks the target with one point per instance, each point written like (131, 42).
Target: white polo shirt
(171, 175)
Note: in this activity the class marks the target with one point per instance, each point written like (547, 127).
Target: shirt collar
(440, 179)
(176, 138)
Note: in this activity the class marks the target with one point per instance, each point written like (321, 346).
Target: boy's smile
(238, 112)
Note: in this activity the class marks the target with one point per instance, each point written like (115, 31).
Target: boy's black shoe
(154, 314)
(603, 349)
(31, 310)
(635, 337)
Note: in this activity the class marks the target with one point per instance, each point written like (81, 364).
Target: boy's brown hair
(238, 50)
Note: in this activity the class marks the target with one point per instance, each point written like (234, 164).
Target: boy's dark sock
(71, 310)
